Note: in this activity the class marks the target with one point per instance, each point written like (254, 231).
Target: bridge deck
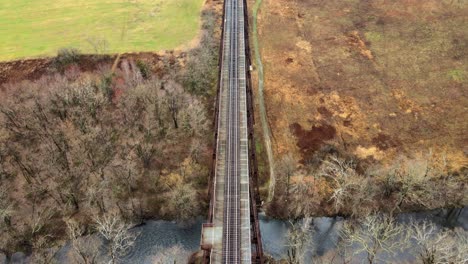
(229, 233)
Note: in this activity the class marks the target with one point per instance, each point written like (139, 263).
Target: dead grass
(390, 77)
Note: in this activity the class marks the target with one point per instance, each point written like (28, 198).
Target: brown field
(376, 79)
(382, 83)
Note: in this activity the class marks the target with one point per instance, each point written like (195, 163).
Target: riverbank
(159, 236)
(324, 233)
(167, 240)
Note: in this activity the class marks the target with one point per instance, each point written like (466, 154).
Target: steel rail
(232, 217)
(231, 225)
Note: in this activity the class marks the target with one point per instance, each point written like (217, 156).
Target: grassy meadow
(32, 28)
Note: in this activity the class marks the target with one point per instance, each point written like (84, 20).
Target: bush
(144, 69)
(66, 56)
(106, 86)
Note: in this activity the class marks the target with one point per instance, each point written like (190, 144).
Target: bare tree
(286, 167)
(6, 240)
(343, 175)
(115, 231)
(299, 241)
(95, 195)
(195, 120)
(183, 202)
(362, 200)
(303, 201)
(414, 180)
(437, 245)
(173, 255)
(175, 100)
(6, 207)
(42, 256)
(196, 149)
(40, 240)
(459, 251)
(38, 220)
(99, 45)
(85, 249)
(145, 152)
(375, 234)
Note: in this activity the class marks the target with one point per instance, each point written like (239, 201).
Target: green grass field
(32, 28)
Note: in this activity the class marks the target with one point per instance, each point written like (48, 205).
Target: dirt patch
(33, 69)
(15, 71)
(356, 41)
(384, 142)
(324, 112)
(311, 140)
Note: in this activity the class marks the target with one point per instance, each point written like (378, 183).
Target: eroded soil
(33, 69)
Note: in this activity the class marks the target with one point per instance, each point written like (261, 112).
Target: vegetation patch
(457, 75)
(373, 36)
(66, 57)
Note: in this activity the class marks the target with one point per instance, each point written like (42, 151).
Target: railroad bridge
(232, 233)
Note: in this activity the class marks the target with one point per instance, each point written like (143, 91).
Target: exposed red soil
(310, 141)
(33, 69)
(384, 142)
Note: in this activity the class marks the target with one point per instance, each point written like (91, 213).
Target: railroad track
(232, 232)
(232, 219)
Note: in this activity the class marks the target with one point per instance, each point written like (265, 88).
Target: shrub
(106, 86)
(66, 56)
(144, 69)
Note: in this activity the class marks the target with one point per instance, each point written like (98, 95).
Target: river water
(158, 236)
(325, 231)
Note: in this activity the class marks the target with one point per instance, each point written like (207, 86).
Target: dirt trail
(261, 103)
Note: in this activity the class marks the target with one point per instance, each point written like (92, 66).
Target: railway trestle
(232, 232)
